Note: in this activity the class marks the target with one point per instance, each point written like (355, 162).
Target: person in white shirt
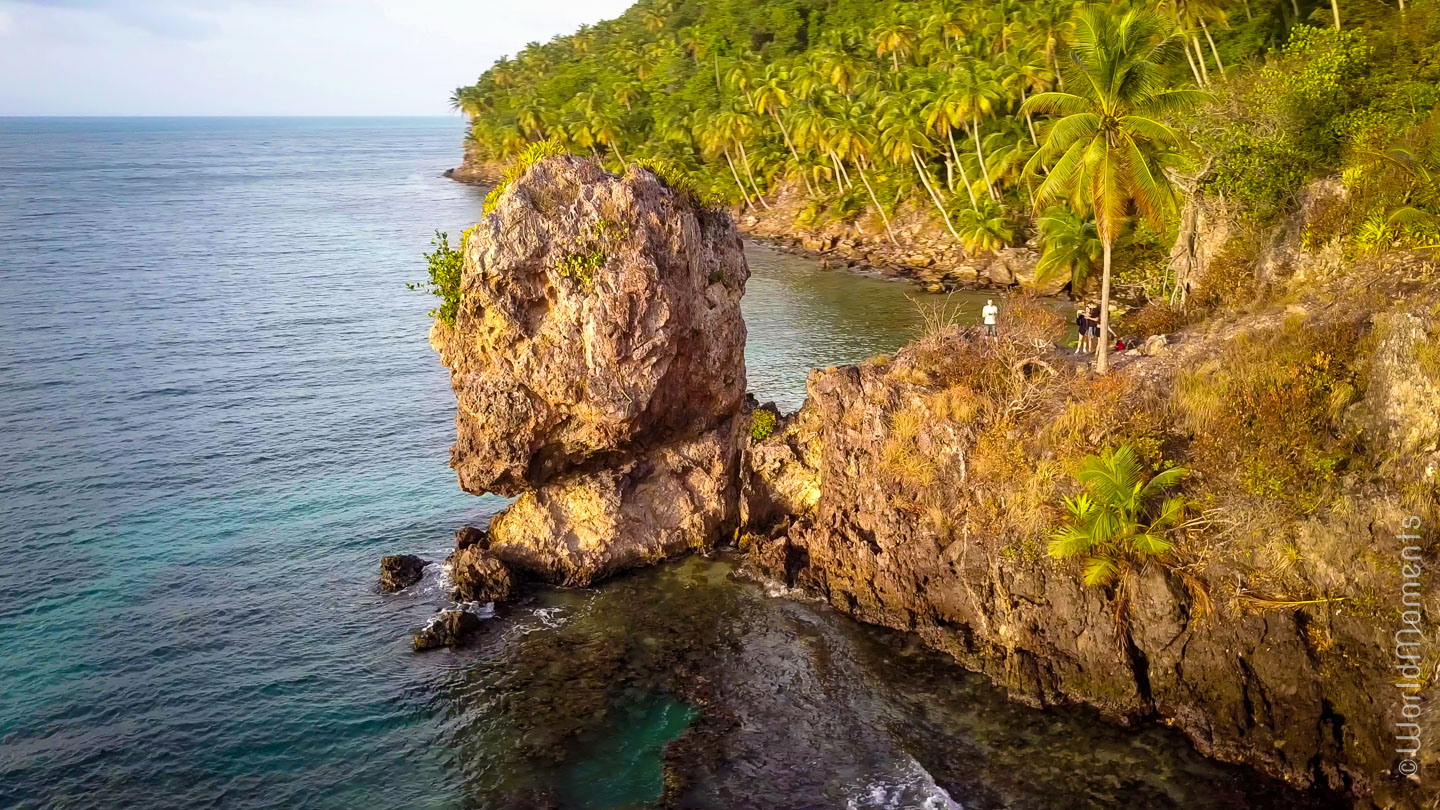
(990, 313)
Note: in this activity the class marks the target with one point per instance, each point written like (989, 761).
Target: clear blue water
(218, 410)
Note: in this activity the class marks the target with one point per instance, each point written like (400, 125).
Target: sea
(218, 410)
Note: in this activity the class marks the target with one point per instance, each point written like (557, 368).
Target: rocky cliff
(918, 492)
(597, 360)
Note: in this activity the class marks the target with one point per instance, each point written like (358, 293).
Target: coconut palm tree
(984, 227)
(1107, 152)
(1114, 523)
(1070, 248)
(903, 140)
(769, 97)
(979, 94)
(897, 39)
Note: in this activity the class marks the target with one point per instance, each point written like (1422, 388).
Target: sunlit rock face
(598, 364)
(599, 316)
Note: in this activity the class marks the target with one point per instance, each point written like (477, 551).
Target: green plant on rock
(589, 253)
(762, 424)
(1115, 523)
(673, 177)
(528, 157)
(445, 265)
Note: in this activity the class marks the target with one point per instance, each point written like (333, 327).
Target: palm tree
(733, 127)
(944, 113)
(1070, 248)
(978, 94)
(1113, 523)
(896, 39)
(985, 227)
(902, 140)
(769, 97)
(1108, 150)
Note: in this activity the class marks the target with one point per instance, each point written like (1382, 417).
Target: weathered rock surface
(598, 363)
(1245, 686)
(782, 472)
(599, 316)
(468, 536)
(677, 498)
(400, 571)
(448, 628)
(479, 576)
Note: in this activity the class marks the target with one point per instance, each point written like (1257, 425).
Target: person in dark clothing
(1082, 330)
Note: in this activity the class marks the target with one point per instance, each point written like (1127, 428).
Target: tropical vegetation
(1121, 519)
(1000, 117)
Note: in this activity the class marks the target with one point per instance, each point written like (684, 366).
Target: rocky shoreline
(911, 491)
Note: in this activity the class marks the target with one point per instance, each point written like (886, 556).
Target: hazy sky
(263, 57)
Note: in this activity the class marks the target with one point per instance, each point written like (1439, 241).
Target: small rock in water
(449, 628)
(479, 576)
(400, 571)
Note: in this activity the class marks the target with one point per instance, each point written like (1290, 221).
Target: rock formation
(900, 532)
(479, 576)
(597, 360)
(400, 571)
(448, 628)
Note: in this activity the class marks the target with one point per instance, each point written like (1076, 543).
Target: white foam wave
(911, 787)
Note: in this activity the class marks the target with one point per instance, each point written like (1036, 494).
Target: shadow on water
(782, 703)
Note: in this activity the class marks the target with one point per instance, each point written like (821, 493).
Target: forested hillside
(952, 105)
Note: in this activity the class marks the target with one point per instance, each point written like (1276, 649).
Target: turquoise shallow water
(218, 410)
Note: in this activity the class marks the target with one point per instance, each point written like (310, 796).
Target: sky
(263, 57)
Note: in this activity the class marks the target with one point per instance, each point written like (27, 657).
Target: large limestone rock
(598, 364)
(677, 498)
(782, 471)
(599, 316)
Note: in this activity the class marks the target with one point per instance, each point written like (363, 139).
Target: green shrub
(445, 265)
(673, 177)
(1115, 522)
(589, 253)
(528, 157)
(762, 424)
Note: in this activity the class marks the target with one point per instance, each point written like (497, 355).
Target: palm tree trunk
(844, 173)
(876, 200)
(1213, 49)
(786, 135)
(1193, 70)
(1335, 9)
(984, 170)
(964, 177)
(1249, 18)
(740, 184)
(745, 161)
(1102, 348)
(949, 175)
(1028, 123)
(1295, 7)
(1200, 57)
(924, 181)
